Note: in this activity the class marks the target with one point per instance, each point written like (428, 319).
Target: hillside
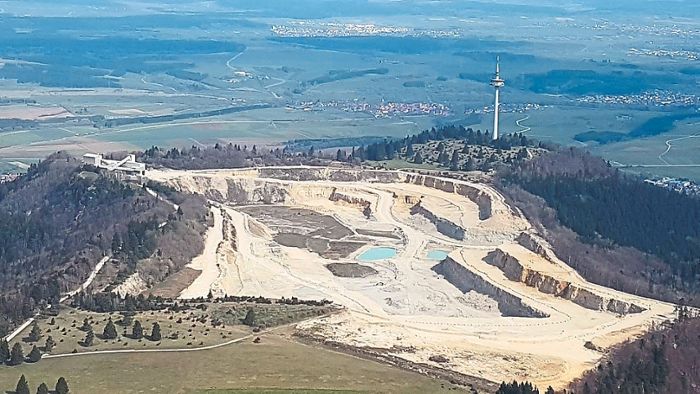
(662, 361)
(61, 218)
(600, 221)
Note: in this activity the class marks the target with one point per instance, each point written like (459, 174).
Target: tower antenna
(497, 83)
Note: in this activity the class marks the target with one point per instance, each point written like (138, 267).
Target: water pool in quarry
(437, 255)
(378, 253)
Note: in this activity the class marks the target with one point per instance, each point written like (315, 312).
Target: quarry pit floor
(298, 232)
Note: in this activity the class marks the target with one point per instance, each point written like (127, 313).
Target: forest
(61, 218)
(613, 228)
(663, 361)
(618, 208)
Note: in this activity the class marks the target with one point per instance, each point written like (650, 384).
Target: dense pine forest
(663, 361)
(61, 218)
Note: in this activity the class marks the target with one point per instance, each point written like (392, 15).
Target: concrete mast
(497, 83)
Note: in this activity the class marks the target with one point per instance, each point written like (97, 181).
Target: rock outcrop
(535, 245)
(345, 197)
(481, 199)
(589, 299)
(443, 225)
(254, 191)
(465, 280)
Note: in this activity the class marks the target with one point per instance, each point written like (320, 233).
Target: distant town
(677, 185)
(506, 108)
(655, 98)
(329, 29)
(689, 55)
(382, 110)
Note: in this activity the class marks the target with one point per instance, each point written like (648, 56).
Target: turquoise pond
(379, 253)
(437, 255)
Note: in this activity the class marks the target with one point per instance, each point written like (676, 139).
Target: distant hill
(61, 218)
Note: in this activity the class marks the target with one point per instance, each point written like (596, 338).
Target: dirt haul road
(501, 306)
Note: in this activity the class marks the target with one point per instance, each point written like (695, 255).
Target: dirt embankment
(442, 225)
(474, 384)
(347, 198)
(589, 299)
(466, 280)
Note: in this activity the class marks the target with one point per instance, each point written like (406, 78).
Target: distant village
(655, 98)
(677, 185)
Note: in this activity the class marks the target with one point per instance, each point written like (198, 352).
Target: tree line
(22, 387)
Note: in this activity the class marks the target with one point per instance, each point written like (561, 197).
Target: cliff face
(534, 244)
(465, 280)
(481, 199)
(253, 191)
(444, 226)
(514, 270)
(352, 200)
(329, 174)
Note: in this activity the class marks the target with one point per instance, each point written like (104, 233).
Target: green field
(277, 362)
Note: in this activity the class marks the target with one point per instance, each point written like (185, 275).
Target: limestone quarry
(500, 305)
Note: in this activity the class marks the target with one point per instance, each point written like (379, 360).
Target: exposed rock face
(352, 200)
(481, 199)
(466, 280)
(253, 191)
(331, 174)
(514, 270)
(444, 226)
(534, 244)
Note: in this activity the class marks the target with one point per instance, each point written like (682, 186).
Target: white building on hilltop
(127, 167)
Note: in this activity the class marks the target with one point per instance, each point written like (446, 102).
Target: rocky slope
(589, 299)
(466, 280)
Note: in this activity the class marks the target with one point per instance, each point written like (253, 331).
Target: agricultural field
(372, 72)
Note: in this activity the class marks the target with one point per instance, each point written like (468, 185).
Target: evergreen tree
(22, 386)
(155, 332)
(550, 390)
(42, 389)
(35, 333)
(110, 330)
(89, 339)
(62, 386)
(443, 158)
(16, 355)
(418, 159)
(249, 319)
(137, 330)
(409, 150)
(35, 355)
(86, 325)
(454, 162)
(4, 351)
(48, 347)
(470, 165)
